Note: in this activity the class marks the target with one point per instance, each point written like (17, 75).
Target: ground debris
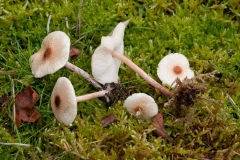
(118, 92)
(108, 120)
(186, 91)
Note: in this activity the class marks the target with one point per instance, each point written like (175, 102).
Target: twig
(79, 17)
(15, 144)
(67, 26)
(14, 107)
(231, 100)
(78, 40)
(48, 22)
(208, 74)
(66, 19)
(7, 72)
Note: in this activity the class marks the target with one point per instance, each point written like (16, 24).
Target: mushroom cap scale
(172, 66)
(63, 101)
(105, 67)
(52, 56)
(141, 104)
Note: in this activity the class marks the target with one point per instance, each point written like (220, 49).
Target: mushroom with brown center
(53, 55)
(105, 56)
(64, 100)
(172, 66)
(141, 105)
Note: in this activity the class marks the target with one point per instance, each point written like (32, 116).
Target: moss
(207, 32)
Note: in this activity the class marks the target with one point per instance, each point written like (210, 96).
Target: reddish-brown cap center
(138, 108)
(177, 70)
(47, 54)
(57, 101)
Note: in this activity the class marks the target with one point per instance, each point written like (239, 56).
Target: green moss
(207, 32)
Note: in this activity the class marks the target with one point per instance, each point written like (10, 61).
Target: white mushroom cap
(52, 56)
(141, 104)
(104, 66)
(172, 66)
(63, 101)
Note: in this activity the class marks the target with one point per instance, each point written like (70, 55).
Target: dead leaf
(74, 52)
(158, 124)
(4, 100)
(24, 103)
(108, 120)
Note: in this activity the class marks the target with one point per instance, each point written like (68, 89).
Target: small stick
(14, 107)
(231, 100)
(66, 19)
(67, 26)
(7, 72)
(78, 40)
(15, 144)
(79, 17)
(48, 22)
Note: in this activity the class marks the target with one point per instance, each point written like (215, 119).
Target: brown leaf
(74, 52)
(108, 120)
(26, 99)
(24, 103)
(4, 100)
(158, 124)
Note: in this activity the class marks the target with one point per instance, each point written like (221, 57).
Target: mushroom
(141, 104)
(105, 60)
(53, 55)
(64, 101)
(105, 67)
(172, 66)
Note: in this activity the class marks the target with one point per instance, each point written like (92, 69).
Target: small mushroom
(141, 104)
(105, 67)
(105, 60)
(172, 66)
(53, 55)
(64, 100)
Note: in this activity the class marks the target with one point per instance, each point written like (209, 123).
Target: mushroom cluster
(105, 64)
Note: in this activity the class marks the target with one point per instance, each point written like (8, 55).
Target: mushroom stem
(91, 96)
(141, 73)
(84, 74)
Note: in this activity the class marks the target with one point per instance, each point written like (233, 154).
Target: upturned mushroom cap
(52, 56)
(141, 104)
(172, 66)
(104, 66)
(63, 101)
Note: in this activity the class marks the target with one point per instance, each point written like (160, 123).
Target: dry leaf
(24, 103)
(4, 100)
(74, 52)
(158, 124)
(108, 120)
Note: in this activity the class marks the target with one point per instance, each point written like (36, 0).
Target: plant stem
(84, 74)
(91, 96)
(15, 144)
(141, 73)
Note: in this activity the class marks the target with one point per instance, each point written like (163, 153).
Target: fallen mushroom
(141, 105)
(64, 100)
(105, 60)
(172, 66)
(53, 55)
(105, 67)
